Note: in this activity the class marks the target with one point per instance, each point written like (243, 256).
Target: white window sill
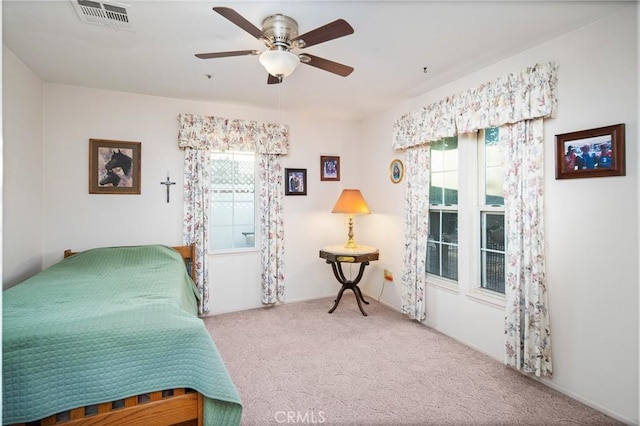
(488, 298)
(444, 284)
(247, 250)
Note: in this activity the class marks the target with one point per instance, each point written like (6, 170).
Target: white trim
(583, 400)
(487, 297)
(239, 250)
(444, 284)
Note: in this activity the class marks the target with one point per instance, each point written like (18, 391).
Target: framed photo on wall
(295, 181)
(396, 171)
(591, 153)
(114, 167)
(329, 168)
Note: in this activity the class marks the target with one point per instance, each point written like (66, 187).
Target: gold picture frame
(396, 171)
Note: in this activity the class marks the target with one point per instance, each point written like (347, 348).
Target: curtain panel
(416, 233)
(528, 94)
(272, 227)
(527, 329)
(516, 103)
(198, 136)
(195, 223)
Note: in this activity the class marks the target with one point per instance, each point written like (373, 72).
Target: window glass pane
(443, 185)
(442, 249)
(493, 271)
(494, 231)
(450, 262)
(221, 237)
(437, 156)
(434, 225)
(493, 167)
(493, 187)
(450, 187)
(436, 190)
(450, 153)
(450, 227)
(442, 246)
(433, 258)
(221, 214)
(493, 252)
(232, 213)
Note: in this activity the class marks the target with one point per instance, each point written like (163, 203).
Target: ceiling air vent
(107, 13)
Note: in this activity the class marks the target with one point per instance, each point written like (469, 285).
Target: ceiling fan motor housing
(280, 29)
(280, 34)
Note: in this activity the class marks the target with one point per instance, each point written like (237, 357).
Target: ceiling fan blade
(240, 21)
(330, 31)
(273, 80)
(226, 54)
(327, 65)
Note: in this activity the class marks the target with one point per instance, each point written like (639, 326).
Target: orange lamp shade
(351, 202)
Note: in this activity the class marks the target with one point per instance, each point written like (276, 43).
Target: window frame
(445, 283)
(256, 209)
(476, 291)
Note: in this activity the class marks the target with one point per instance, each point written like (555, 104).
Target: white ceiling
(392, 43)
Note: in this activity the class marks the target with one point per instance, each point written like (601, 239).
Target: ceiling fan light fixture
(279, 62)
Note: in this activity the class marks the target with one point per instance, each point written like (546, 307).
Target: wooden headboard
(188, 254)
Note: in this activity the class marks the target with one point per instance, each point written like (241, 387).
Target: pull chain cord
(281, 101)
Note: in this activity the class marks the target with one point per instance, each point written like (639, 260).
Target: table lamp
(351, 202)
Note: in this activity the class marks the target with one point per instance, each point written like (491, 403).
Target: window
(442, 250)
(492, 226)
(233, 205)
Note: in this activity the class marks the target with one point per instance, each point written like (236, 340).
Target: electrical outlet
(388, 275)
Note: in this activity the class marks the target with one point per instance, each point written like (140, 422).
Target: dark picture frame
(591, 153)
(329, 168)
(295, 181)
(114, 167)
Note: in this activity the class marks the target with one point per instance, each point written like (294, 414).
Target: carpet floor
(297, 364)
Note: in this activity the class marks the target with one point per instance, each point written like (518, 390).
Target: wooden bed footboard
(179, 407)
(187, 252)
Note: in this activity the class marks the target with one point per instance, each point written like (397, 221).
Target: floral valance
(217, 133)
(525, 95)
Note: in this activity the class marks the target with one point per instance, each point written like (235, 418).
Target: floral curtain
(517, 102)
(527, 331)
(195, 216)
(416, 216)
(272, 227)
(198, 135)
(528, 94)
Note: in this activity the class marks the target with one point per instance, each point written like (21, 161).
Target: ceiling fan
(280, 34)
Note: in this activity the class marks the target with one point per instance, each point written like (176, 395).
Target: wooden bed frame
(179, 407)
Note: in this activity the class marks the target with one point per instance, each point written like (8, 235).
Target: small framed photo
(329, 168)
(591, 153)
(295, 181)
(114, 167)
(396, 171)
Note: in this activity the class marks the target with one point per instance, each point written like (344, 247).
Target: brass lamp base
(350, 242)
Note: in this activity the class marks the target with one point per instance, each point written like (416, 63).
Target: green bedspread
(106, 324)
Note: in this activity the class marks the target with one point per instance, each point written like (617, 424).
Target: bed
(111, 336)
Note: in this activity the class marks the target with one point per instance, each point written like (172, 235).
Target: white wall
(22, 192)
(78, 220)
(591, 224)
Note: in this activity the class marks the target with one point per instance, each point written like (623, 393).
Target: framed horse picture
(114, 167)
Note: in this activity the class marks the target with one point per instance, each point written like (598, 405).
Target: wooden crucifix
(168, 183)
